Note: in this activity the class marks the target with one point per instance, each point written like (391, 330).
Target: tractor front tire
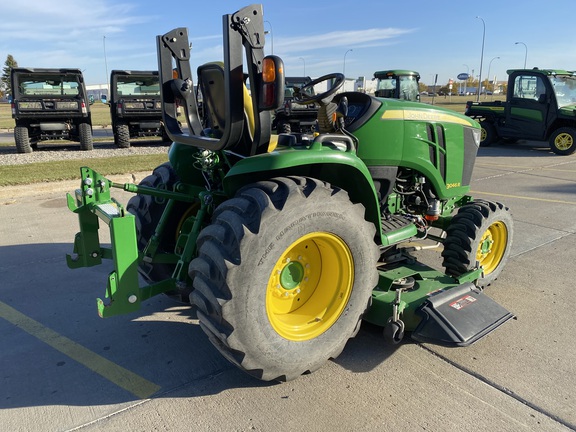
(563, 141)
(283, 276)
(480, 233)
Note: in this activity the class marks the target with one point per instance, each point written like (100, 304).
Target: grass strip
(40, 172)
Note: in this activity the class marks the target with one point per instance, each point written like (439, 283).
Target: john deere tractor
(283, 244)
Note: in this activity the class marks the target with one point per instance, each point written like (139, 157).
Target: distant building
(97, 90)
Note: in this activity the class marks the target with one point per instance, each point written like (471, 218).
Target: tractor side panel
(438, 144)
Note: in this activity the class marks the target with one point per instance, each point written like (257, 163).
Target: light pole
(344, 67)
(466, 81)
(481, 58)
(271, 35)
(525, 52)
(489, 66)
(303, 61)
(106, 66)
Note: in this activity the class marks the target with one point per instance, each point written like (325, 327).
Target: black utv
(50, 104)
(293, 117)
(135, 107)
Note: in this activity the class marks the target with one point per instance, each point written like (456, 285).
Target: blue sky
(432, 37)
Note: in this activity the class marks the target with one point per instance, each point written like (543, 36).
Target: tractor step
(459, 317)
(395, 223)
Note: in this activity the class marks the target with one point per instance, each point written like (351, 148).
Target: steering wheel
(303, 95)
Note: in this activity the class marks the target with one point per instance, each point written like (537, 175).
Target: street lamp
(481, 58)
(271, 35)
(303, 61)
(106, 66)
(466, 81)
(525, 52)
(344, 68)
(489, 66)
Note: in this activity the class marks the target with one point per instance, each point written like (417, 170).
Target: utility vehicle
(293, 116)
(540, 105)
(135, 107)
(397, 84)
(283, 244)
(50, 104)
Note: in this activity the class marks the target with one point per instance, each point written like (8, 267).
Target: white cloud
(350, 38)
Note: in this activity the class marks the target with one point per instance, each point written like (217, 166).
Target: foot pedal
(459, 317)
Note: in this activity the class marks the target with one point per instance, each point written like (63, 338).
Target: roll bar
(243, 31)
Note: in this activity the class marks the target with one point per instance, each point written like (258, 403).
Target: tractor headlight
(29, 105)
(476, 135)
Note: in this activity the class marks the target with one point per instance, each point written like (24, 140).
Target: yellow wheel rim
(191, 211)
(309, 286)
(483, 134)
(564, 141)
(492, 247)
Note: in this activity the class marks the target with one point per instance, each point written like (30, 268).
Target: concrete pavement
(63, 368)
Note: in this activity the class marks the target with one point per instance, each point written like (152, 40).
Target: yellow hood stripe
(424, 115)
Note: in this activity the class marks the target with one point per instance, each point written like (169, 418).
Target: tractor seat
(211, 85)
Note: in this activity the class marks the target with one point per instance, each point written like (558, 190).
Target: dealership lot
(63, 368)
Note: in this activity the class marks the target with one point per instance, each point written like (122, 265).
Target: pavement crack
(502, 389)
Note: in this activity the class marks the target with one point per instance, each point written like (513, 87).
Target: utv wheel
(487, 134)
(22, 139)
(122, 136)
(481, 232)
(563, 141)
(284, 275)
(165, 136)
(85, 132)
(148, 210)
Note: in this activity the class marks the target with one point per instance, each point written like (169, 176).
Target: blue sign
(463, 76)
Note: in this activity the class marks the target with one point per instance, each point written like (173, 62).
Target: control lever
(342, 112)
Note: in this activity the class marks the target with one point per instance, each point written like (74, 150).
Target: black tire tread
(219, 255)
(122, 136)
(85, 137)
(22, 139)
(458, 254)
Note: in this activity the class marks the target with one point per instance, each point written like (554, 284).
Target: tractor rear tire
(147, 211)
(481, 232)
(22, 139)
(283, 276)
(563, 141)
(488, 135)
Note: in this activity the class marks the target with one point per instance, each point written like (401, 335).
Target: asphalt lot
(63, 368)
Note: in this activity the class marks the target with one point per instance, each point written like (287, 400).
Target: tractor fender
(340, 168)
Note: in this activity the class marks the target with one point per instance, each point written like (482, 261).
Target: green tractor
(283, 244)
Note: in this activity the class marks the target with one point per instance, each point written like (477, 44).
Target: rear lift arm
(93, 202)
